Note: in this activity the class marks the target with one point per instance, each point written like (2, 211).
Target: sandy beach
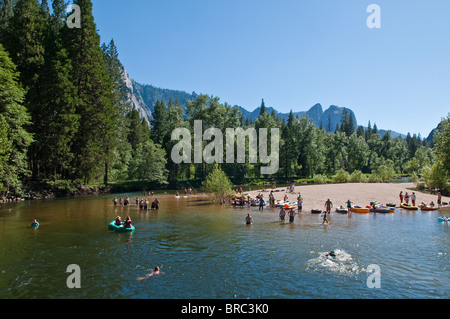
(314, 196)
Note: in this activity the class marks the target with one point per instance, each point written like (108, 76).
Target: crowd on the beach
(405, 198)
(242, 200)
(286, 207)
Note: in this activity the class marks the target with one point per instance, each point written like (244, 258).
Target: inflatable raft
(289, 205)
(360, 210)
(381, 209)
(409, 207)
(443, 219)
(428, 208)
(342, 210)
(316, 211)
(112, 226)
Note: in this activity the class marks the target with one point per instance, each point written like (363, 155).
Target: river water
(206, 251)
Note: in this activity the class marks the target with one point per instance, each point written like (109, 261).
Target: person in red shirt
(127, 223)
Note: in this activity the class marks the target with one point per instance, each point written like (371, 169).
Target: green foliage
(341, 176)
(383, 173)
(148, 163)
(442, 144)
(14, 139)
(76, 106)
(435, 176)
(320, 179)
(413, 178)
(217, 184)
(5, 146)
(357, 177)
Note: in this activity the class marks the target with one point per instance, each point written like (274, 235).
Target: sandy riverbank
(314, 196)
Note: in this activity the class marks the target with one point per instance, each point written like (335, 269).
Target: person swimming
(332, 254)
(155, 272)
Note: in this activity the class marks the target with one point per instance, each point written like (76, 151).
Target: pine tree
(24, 40)
(6, 12)
(92, 148)
(262, 108)
(159, 122)
(59, 101)
(14, 139)
(121, 105)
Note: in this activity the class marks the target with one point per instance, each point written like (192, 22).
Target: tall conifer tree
(92, 148)
(24, 40)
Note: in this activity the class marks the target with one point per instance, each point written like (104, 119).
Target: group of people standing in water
(404, 198)
(143, 203)
(259, 201)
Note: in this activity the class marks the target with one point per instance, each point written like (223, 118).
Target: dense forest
(66, 120)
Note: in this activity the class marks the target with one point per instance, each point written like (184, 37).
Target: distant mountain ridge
(144, 98)
(328, 119)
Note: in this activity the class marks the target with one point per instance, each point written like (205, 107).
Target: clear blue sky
(293, 54)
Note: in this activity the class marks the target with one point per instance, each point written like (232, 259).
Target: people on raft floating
(127, 223)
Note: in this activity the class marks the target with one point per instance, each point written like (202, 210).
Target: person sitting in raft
(155, 204)
(127, 223)
(432, 204)
(118, 221)
(248, 219)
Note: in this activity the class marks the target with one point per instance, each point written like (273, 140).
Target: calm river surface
(206, 251)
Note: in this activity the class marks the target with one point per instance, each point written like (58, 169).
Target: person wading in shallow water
(291, 215)
(282, 214)
(249, 219)
(328, 205)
